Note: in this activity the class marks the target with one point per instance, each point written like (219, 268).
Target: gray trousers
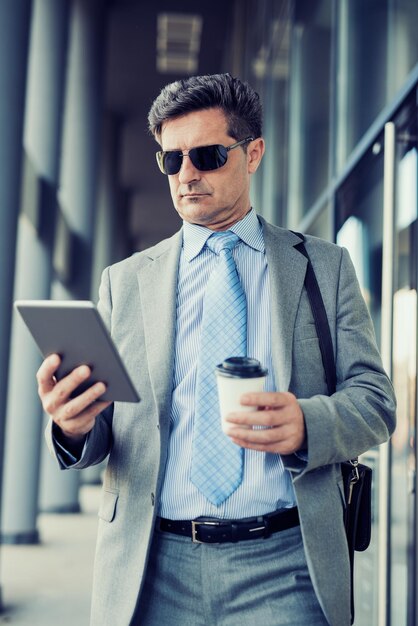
(260, 582)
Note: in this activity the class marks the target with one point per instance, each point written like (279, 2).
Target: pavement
(49, 584)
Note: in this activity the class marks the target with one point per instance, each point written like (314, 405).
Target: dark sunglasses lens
(208, 157)
(169, 162)
(205, 158)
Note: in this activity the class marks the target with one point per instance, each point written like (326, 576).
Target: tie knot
(226, 240)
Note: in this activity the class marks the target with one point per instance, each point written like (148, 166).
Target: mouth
(193, 198)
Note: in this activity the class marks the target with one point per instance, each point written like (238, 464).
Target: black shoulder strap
(320, 318)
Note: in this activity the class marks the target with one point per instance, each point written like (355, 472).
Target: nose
(188, 172)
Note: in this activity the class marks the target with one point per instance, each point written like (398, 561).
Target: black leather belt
(212, 530)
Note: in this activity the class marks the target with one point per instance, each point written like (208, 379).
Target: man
(271, 563)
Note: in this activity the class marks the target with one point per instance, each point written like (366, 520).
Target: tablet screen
(75, 330)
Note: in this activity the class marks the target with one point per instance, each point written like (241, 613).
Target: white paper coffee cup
(236, 376)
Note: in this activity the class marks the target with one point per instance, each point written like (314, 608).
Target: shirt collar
(249, 230)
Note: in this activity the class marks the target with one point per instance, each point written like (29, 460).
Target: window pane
(321, 226)
(377, 48)
(403, 42)
(359, 226)
(309, 105)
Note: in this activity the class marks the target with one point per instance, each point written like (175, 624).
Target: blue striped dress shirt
(266, 485)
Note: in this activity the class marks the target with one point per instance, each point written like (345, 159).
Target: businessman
(197, 527)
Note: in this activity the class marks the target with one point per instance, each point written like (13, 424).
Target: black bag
(358, 497)
(357, 478)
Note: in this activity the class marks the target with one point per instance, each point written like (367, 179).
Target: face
(217, 198)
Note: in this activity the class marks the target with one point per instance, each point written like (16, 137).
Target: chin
(195, 213)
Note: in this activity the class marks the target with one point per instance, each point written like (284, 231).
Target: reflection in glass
(404, 379)
(321, 226)
(402, 42)
(353, 236)
(377, 47)
(266, 67)
(361, 85)
(403, 457)
(359, 228)
(309, 106)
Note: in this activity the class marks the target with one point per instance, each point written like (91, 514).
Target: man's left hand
(281, 420)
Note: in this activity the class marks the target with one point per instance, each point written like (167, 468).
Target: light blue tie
(217, 462)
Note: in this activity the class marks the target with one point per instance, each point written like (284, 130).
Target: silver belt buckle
(195, 524)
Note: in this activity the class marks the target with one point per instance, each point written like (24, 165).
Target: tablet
(75, 330)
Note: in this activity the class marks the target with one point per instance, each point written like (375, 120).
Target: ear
(255, 151)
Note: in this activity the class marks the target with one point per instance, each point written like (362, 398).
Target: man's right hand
(74, 416)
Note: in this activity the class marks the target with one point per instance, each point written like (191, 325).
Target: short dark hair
(238, 100)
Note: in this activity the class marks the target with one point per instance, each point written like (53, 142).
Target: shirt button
(152, 499)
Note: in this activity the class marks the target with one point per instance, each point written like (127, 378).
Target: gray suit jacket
(138, 302)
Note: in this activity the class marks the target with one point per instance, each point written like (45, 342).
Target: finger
(263, 436)
(277, 448)
(265, 441)
(62, 390)
(257, 418)
(78, 427)
(273, 399)
(45, 374)
(79, 424)
(86, 403)
(284, 439)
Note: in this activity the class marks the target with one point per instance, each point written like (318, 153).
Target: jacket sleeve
(361, 414)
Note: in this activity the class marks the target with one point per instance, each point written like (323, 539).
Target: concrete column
(24, 414)
(82, 132)
(78, 187)
(42, 135)
(14, 36)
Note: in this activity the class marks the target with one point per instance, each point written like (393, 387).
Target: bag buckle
(354, 478)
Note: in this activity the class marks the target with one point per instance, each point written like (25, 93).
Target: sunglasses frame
(161, 154)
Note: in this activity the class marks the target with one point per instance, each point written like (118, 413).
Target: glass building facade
(339, 80)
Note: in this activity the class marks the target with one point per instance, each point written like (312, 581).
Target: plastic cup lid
(241, 367)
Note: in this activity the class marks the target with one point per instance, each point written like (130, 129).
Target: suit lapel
(287, 269)
(158, 285)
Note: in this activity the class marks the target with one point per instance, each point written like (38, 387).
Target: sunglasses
(204, 158)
